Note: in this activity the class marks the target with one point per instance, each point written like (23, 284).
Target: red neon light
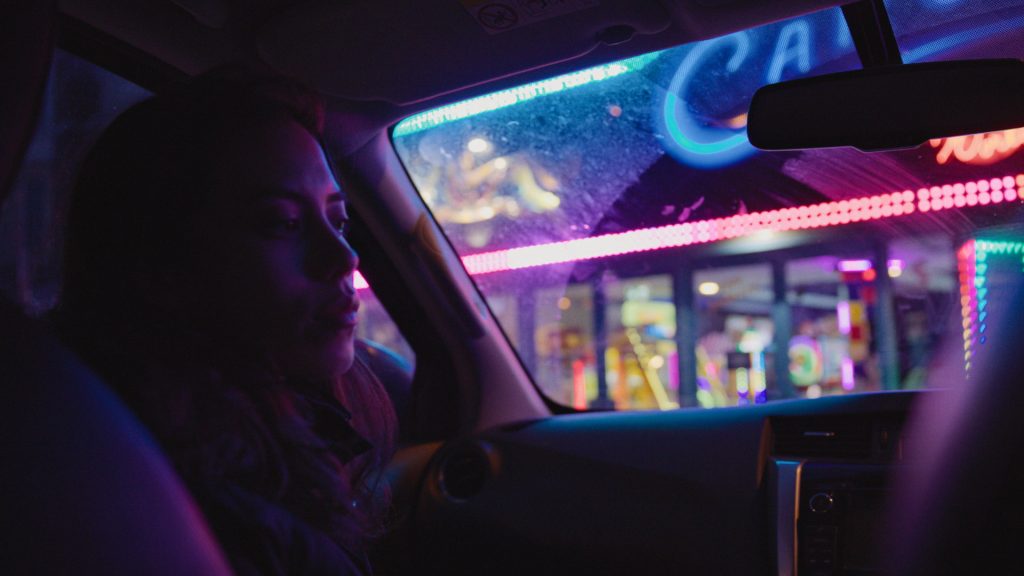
(579, 386)
(979, 148)
(824, 215)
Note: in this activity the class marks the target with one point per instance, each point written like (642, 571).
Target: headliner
(380, 60)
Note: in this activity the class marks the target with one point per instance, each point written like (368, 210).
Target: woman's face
(275, 274)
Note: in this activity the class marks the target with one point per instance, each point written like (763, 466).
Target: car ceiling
(380, 60)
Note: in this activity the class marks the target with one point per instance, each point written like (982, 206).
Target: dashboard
(784, 488)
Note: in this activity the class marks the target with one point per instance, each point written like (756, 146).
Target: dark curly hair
(222, 415)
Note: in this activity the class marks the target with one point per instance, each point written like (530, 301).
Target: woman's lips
(341, 314)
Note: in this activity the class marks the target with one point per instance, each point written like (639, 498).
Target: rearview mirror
(889, 107)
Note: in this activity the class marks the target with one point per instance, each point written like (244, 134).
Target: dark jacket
(262, 538)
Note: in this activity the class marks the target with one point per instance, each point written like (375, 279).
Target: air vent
(823, 437)
(464, 471)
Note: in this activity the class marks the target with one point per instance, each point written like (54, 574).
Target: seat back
(83, 487)
(956, 507)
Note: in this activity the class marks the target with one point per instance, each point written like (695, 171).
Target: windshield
(640, 253)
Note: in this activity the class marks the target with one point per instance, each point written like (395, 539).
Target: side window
(376, 327)
(80, 101)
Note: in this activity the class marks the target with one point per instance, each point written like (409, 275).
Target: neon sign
(693, 144)
(692, 141)
(689, 138)
(981, 149)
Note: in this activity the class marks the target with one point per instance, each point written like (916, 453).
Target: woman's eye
(283, 226)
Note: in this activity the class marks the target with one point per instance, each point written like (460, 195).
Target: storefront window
(563, 342)
(641, 362)
(833, 308)
(923, 272)
(735, 332)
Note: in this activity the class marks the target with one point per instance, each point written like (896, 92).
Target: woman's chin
(322, 363)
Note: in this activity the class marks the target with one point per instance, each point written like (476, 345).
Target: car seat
(85, 489)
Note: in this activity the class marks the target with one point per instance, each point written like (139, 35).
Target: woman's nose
(331, 255)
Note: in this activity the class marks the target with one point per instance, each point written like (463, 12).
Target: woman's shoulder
(262, 537)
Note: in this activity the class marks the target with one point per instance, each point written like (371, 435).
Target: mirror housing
(890, 107)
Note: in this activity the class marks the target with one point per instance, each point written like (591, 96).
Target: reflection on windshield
(639, 253)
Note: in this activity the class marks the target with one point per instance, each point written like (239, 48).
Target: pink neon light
(579, 386)
(848, 380)
(854, 265)
(826, 214)
(673, 371)
(843, 315)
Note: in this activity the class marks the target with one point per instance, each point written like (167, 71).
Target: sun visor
(403, 52)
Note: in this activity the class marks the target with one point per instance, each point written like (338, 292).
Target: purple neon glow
(847, 368)
(843, 316)
(854, 265)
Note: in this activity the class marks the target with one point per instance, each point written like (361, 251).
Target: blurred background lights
(854, 265)
(708, 288)
(895, 268)
(478, 145)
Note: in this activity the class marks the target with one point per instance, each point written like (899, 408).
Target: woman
(208, 278)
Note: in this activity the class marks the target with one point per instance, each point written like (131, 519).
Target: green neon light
(518, 95)
(1000, 247)
(974, 288)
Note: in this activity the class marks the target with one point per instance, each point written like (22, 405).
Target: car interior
(655, 286)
